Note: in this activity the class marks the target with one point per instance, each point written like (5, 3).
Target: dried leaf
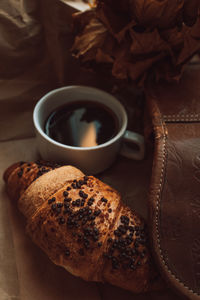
(142, 43)
(190, 12)
(155, 12)
(190, 47)
(114, 21)
(102, 57)
(92, 37)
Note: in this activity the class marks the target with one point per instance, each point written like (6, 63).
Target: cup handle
(135, 139)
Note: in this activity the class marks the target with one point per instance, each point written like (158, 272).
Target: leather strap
(174, 202)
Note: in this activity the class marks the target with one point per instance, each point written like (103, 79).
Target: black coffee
(82, 124)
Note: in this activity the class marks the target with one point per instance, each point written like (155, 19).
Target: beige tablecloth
(34, 50)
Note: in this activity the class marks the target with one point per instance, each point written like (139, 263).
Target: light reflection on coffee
(82, 124)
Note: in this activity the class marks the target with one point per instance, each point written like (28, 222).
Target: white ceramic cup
(90, 160)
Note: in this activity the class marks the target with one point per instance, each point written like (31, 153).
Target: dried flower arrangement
(138, 39)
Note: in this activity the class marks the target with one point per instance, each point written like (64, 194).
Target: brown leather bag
(174, 206)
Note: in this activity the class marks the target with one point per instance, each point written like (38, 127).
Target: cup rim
(75, 148)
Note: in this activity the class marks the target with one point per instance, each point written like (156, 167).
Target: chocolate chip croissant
(82, 225)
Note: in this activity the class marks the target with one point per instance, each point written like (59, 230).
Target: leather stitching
(158, 200)
(181, 118)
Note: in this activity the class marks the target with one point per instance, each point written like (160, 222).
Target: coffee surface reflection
(82, 124)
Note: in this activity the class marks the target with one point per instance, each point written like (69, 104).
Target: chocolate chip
(142, 241)
(67, 199)
(122, 229)
(65, 193)
(83, 195)
(74, 185)
(87, 243)
(44, 170)
(39, 173)
(133, 251)
(58, 210)
(115, 263)
(61, 220)
(115, 245)
(123, 255)
(84, 221)
(124, 220)
(132, 267)
(109, 210)
(80, 217)
(97, 212)
(136, 244)
(53, 206)
(53, 199)
(70, 220)
(86, 178)
(99, 244)
(90, 201)
(81, 251)
(69, 188)
(114, 259)
(78, 185)
(78, 202)
(20, 173)
(87, 233)
(81, 182)
(104, 200)
(67, 252)
(95, 238)
(96, 230)
(76, 224)
(129, 241)
(66, 205)
(117, 233)
(67, 211)
(81, 210)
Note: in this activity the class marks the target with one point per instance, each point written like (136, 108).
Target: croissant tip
(10, 169)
